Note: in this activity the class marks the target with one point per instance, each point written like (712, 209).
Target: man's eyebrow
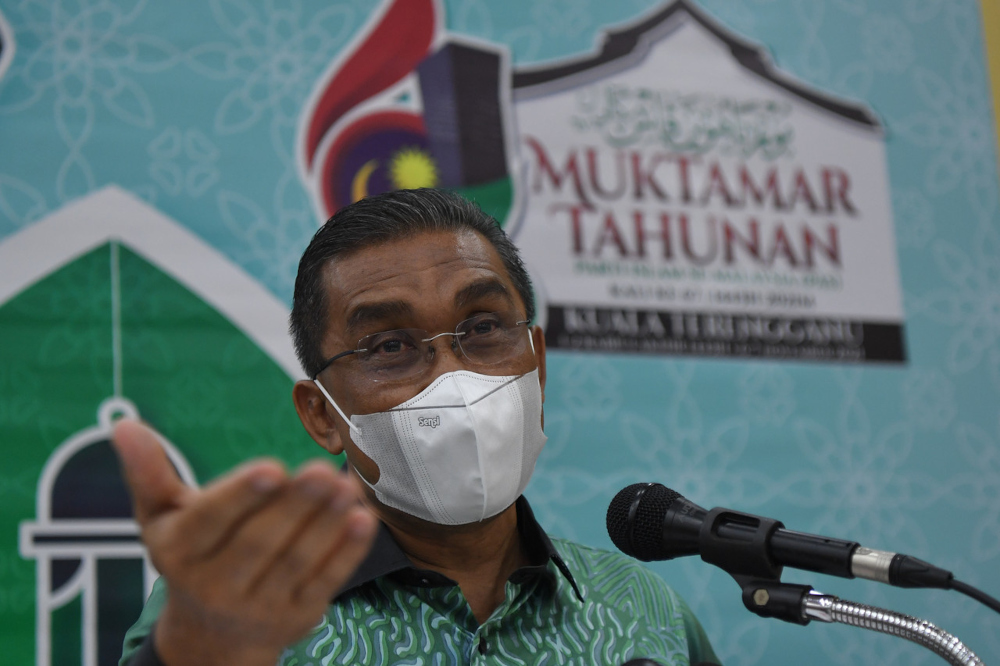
(480, 289)
(366, 314)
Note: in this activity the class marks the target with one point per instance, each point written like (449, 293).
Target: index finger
(201, 517)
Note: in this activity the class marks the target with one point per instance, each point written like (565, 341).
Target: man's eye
(484, 326)
(389, 347)
(388, 344)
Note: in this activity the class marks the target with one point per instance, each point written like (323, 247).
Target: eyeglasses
(485, 340)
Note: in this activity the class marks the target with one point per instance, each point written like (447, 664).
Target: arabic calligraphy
(685, 122)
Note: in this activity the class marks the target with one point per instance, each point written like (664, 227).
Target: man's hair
(379, 219)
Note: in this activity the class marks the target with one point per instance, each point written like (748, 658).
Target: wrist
(185, 639)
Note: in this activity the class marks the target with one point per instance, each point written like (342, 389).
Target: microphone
(652, 522)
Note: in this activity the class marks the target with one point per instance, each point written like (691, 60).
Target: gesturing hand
(251, 560)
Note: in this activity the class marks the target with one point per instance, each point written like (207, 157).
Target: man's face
(430, 281)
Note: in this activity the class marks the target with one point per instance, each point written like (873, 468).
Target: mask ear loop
(322, 389)
(531, 341)
(531, 338)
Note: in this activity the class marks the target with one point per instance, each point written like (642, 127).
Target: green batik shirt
(572, 605)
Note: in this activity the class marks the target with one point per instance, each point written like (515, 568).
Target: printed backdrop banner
(763, 236)
(686, 197)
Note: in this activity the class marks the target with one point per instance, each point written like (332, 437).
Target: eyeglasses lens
(486, 339)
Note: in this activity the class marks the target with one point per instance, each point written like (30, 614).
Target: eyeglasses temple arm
(330, 361)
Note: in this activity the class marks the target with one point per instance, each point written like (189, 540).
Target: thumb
(150, 475)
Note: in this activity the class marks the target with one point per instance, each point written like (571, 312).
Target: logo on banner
(685, 197)
(91, 564)
(94, 291)
(409, 105)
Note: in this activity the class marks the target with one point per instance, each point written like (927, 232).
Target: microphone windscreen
(635, 519)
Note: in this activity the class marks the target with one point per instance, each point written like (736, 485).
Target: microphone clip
(738, 544)
(772, 598)
(743, 551)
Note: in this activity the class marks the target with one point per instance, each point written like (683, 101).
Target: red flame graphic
(392, 49)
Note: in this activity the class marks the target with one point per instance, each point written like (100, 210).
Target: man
(411, 314)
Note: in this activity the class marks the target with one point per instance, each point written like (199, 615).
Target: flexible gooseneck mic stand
(800, 604)
(748, 562)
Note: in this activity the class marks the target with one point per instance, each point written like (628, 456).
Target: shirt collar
(386, 557)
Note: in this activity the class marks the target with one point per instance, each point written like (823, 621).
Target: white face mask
(460, 451)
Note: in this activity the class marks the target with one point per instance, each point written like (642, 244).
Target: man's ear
(538, 338)
(311, 406)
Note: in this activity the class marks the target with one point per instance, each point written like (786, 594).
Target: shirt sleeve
(699, 647)
(146, 654)
(138, 649)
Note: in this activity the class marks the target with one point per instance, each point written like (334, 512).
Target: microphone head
(635, 519)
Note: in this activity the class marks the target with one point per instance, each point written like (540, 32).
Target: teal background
(193, 106)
